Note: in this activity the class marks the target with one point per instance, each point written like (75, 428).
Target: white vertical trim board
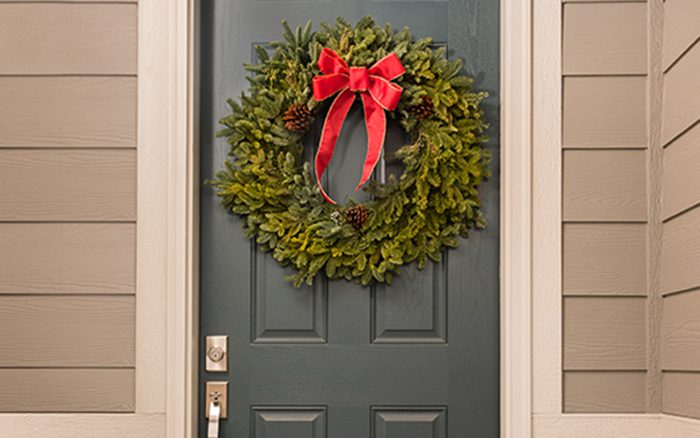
(182, 245)
(546, 214)
(152, 216)
(515, 218)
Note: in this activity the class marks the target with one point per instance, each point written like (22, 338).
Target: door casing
(516, 176)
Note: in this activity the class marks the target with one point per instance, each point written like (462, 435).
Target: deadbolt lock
(216, 348)
(215, 354)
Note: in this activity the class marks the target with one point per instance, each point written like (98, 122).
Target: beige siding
(680, 348)
(680, 254)
(67, 39)
(618, 44)
(605, 206)
(682, 174)
(681, 394)
(67, 390)
(65, 331)
(604, 392)
(35, 111)
(681, 28)
(680, 258)
(67, 184)
(67, 205)
(604, 112)
(604, 333)
(604, 259)
(681, 95)
(605, 185)
(67, 258)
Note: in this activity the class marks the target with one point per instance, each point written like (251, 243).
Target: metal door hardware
(217, 354)
(214, 417)
(217, 395)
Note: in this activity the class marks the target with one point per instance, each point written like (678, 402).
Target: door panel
(415, 359)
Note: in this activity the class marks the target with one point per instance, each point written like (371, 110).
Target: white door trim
(516, 272)
(516, 217)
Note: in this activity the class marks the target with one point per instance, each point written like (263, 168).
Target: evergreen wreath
(410, 218)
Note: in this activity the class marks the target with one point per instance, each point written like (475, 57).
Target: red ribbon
(377, 92)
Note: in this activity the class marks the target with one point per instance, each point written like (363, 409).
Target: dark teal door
(418, 359)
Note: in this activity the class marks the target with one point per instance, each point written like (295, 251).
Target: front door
(418, 359)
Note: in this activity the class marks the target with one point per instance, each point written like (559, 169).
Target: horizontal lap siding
(681, 95)
(604, 199)
(682, 174)
(603, 392)
(604, 259)
(681, 28)
(67, 205)
(680, 255)
(66, 390)
(67, 184)
(604, 333)
(67, 258)
(605, 185)
(68, 39)
(680, 348)
(67, 111)
(605, 112)
(617, 44)
(65, 331)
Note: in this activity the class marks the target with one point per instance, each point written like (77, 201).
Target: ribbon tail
(329, 135)
(375, 119)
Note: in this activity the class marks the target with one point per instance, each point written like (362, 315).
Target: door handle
(214, 413)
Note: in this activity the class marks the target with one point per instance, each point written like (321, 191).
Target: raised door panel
(409, 422)
(281, 315)
(289, 422)
(414, 308)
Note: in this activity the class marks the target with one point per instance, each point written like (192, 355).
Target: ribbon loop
(378, 94)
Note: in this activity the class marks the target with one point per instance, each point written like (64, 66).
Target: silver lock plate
(217, 354)
(217, 392)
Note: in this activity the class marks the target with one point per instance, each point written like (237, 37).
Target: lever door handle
(214, 417)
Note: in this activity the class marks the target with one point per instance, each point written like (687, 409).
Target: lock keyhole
(216, 354)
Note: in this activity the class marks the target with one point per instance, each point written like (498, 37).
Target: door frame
(179, 104)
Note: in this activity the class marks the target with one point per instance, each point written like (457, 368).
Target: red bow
(377, 94)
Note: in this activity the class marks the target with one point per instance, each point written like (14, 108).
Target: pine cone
(297, 118)
(357, 216)
(424, 109)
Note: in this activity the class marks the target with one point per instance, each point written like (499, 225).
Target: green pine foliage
(411, 218)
